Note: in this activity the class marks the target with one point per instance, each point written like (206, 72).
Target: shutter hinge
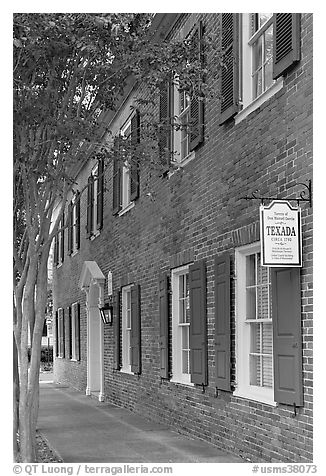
(203, 389)
(294, 410)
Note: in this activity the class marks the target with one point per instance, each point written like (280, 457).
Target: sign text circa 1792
(280, 231)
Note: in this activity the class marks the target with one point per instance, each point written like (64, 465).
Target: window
(75, 332)
(126, 329)
(126, 167)
(181, 325)
(74, 224)
(254, 327)
(60, 334)
(59, 244)
(95, 200)
(181, 133)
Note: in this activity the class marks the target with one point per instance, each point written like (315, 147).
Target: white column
(101, 396)
(88, 389)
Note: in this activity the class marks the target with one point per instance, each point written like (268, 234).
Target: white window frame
(74, 317)
(94, 231)
(126, 330)
(74, 225)
(250, 103)
(178, 114)
(243, 387)
(126, 204)
(60, 333)
(59, 245)
(177, 375)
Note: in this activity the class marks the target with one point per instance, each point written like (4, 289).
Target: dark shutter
(165, 128)
(62, 237)
(116, 328)
(77, 330)
(56, 335)
(222, 322)
(197, 104)
(134, 166)
(286, 42)
(77, 224)
(89, 223)
(135, 330)
(100, 192)
(69, 332)
(229, 75)
(164, 325)
(116, 186)
(287, 347)
(70, 225)
(198, 323)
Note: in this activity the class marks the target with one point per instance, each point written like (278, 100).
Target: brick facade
(197, 213)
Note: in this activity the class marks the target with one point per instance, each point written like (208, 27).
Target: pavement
(81, 429)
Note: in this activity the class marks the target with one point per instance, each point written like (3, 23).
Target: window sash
(126, 329)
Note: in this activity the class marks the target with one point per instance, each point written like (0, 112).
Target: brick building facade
(194, 341)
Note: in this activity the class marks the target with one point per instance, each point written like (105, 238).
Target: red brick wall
(196, 213)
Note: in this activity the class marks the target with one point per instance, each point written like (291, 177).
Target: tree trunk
(15, 401)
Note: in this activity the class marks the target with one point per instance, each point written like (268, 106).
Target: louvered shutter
(69, 332)
(100, 194)
(89, 223)
(77, 330)
(287, 347)
(117, 192)
(134, 166)
(286, 50)
(135, 330)
(198, 323)
(77, 224)
(197, 104)
(56, 334)
(165, 128)
(164, 325)
(70, 225)
(116, 328)
(229, 75)
(222, 322)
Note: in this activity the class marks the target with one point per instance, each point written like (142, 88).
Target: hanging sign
(280, 232)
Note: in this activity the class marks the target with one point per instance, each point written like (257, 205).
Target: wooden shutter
(286, 48)
(198, 323)
(77, 330)
(229, 75)
(135, 330)
(117, 190)
(77, 224)
(89, 223)
(165, 129)
(222, 322)
(56, 335)
(100, 194)
(116, 328)
(197, 105)
(164, 325)
(69, 332)
(70, 225)
(287, 347)
(134, 166)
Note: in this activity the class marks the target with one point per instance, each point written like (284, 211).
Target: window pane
(257, 49)
(263, 18)
(267, 338)
(267, 377)
(255, 338)
(251, 270)
(251, 303)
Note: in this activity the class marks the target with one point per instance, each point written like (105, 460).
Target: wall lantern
(107, 313)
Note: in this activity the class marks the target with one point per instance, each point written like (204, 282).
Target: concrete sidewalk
(81, 430)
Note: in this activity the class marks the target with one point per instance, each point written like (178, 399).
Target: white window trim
(243, 389)
(95, 231)
(74, 227)
(249, 104)
(74, 316)
(125, 205)
(60, 331)
(177, 375)
(125, 368)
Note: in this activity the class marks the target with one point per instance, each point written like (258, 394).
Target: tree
(69, 71)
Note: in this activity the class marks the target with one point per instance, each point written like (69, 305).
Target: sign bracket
(304, 196)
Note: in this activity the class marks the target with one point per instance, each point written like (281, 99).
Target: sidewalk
(81, 430)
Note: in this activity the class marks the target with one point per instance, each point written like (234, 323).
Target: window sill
(126, 209)
(277, 86)
(182, 164)
(127, 371)
(182, 382)
(251, 395)
(59, 265)
(95, 235)
(74, 253)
